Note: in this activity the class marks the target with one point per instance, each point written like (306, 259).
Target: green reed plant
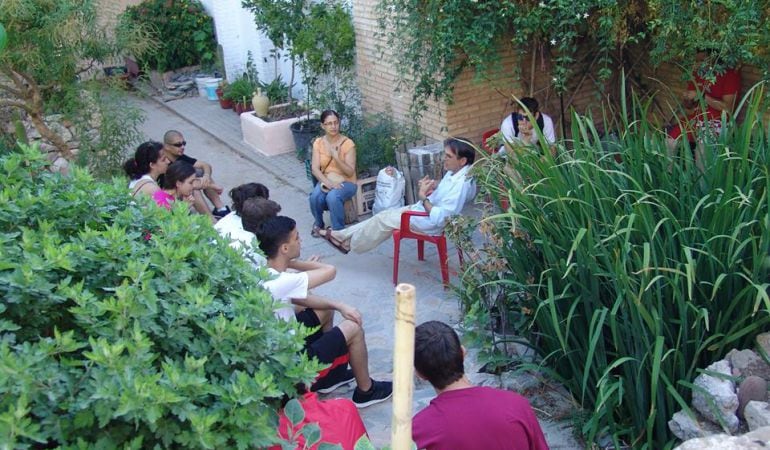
(633, 268)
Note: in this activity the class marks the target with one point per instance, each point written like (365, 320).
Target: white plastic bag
(390, 190)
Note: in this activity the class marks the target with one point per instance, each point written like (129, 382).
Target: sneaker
(333, 381)
(379, 392)
(221, 212)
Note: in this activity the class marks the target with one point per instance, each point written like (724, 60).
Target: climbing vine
(433, 41)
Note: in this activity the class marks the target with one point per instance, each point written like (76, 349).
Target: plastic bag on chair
(390, 190)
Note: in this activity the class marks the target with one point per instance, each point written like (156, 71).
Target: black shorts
(330, 347)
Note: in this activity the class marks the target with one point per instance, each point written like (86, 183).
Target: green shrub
(182, 28)
(116, 121)
(276, 90)
(377, 139)
(130, 326)
(627, 277)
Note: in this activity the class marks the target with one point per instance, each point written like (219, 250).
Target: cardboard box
(367, 188)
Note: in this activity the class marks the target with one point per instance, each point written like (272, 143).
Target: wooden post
(403, 368)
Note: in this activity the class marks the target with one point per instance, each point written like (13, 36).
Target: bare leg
(359, 354)
(326, 317)
(200, 203)
(213, 195)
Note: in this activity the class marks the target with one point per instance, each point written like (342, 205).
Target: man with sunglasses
(517, 128)
(174, 147)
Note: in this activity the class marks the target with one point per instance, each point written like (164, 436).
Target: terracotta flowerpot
(242, 107)
(225, 103)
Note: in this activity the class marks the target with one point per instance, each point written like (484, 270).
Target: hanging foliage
(433, 41)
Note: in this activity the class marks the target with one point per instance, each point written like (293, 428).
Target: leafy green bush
(184, 31)
(116, 122)
(125, 325)
(377, 139)
(276, 90)
(628, 269)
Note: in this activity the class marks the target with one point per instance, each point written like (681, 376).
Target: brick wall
(477, 106)
(109, 10)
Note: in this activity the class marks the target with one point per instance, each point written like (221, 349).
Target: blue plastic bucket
(211, 90)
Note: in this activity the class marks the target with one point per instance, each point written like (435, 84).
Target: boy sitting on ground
(333, 345)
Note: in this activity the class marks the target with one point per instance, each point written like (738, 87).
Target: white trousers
(370, 233)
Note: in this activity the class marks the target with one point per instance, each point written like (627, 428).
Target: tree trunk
(27, 92)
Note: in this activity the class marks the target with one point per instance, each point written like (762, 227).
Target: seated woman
(231, 225)
(516, 127)
(145, 167)
(178, 184)
(334, 165)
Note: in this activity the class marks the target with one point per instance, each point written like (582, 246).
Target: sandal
(334, 242)
(316, 232)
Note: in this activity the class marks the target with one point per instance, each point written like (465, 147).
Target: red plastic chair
(406, 233)
(488, 134)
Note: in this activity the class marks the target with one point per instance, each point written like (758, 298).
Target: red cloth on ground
(338, 418)
(478, 418)
(726, 83)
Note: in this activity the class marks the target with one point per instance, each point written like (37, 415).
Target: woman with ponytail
(145, 167)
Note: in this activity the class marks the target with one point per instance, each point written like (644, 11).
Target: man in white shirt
(440, 200)
(333, 345)
(231, 226)
(517, 127)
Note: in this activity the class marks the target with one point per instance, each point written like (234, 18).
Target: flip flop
(334, 242)
(316, 232)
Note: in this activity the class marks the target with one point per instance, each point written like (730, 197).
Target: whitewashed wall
(238, 35)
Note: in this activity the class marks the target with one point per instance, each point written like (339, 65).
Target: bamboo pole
(403, 368)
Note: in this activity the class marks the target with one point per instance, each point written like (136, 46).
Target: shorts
(329, 348)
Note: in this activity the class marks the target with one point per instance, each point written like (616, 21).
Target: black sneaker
(379, 392)
(333, 381)
(221, 212)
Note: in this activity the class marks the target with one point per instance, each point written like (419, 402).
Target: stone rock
(61, 165)
(757, 414)
(684, 427)
(753, 388)
(45, 147)
(755, 440)
(32, 132)
(746, 363)
(520, 382)
(763, 344)
(484, 379)
(719, 391)
(59, 129)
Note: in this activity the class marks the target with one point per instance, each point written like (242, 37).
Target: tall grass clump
(628, 269)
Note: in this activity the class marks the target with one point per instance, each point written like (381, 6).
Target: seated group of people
(255, 220)
(163, 172)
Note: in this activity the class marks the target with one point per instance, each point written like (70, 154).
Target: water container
(200, 83)
(211, 88)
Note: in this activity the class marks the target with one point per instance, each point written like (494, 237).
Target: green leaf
(294, 412)
(312, 433)
(363, 443)
(3, 37)
(327, 446)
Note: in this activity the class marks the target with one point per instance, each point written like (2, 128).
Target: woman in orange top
(334, 165)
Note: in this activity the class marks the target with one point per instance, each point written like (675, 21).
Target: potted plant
(320, 37)
(240, 92)
(224, 102)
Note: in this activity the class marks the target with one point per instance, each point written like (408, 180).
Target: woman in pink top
(178, 184)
